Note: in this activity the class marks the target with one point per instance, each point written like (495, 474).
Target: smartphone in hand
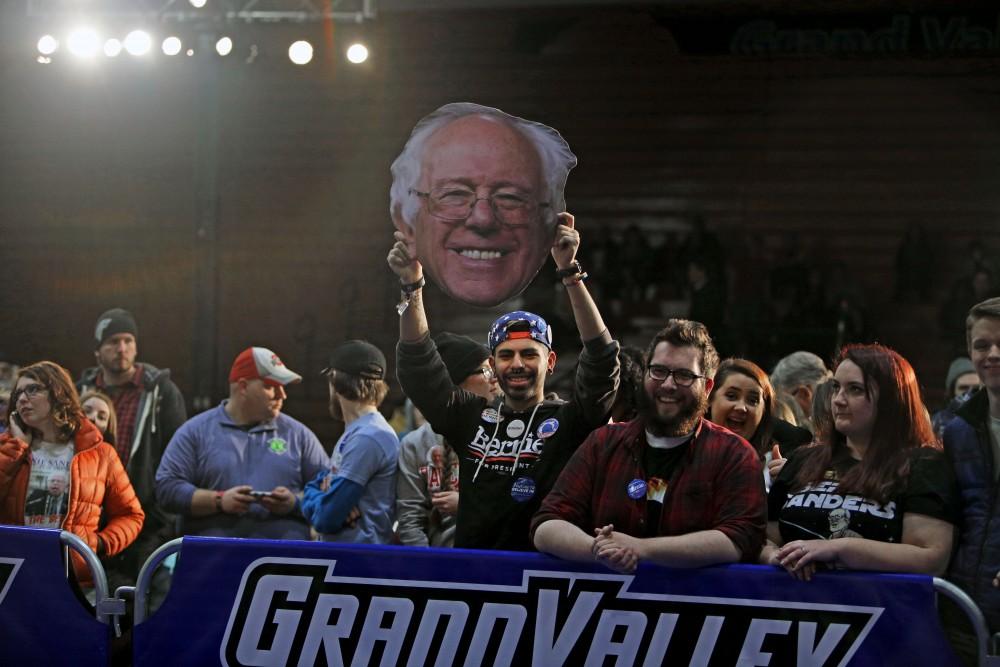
(261, 494)
(16, 418)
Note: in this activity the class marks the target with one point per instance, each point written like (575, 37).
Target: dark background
(229, 203)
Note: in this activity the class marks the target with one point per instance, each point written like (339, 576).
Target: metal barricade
(107, 608)
(985, 649)
(145, 578)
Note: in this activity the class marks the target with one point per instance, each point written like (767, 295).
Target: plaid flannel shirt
(719, 485)
(126, 398)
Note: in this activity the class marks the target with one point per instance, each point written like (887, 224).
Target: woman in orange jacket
(56, 471)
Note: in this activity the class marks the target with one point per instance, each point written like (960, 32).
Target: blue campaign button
(548, 428)
(636, 489)
(523, 489)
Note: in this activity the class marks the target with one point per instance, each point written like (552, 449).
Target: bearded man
(511, 448)
(668, 487)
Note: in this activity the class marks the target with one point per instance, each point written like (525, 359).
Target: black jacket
(497, 501)
(161, 412)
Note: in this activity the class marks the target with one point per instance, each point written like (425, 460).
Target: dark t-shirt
(819, 512)
(659, 465)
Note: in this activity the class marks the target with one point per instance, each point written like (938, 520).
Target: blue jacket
(977, 558)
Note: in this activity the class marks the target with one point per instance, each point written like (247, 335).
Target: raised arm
(402, 260)
(589, 322)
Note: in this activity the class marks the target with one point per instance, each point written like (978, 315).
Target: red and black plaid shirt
(718, 485)
(126, 399)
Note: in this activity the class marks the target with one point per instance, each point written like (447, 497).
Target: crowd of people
(671, 456)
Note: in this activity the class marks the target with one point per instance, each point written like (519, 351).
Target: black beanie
(114, 321)
(462, 355)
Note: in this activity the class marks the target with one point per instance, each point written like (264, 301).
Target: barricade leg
(977, 648)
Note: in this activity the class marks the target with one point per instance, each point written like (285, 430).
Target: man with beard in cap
(149, 408)
(512, 449)
(362, 473)
(668, 487)
(427, 484)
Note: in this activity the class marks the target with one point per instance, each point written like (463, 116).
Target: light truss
(228, 11)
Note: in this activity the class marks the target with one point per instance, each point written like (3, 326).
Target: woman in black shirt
(875, 493)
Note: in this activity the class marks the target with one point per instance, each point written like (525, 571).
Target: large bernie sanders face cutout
(477, 191)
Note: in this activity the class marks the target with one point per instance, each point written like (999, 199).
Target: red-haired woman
(875, 493)
(56, 471)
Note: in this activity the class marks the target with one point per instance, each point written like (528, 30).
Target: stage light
(197, 4)
(112, 48)
(83, 42)
(224, 46)
(47, 45)
(190, 52)
(172, 46)
(138, 42)
(357, 53)
(300, 52)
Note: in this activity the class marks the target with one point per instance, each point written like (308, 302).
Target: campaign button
(523, 489)
(515, 429)
(548, 428)
(636, 489)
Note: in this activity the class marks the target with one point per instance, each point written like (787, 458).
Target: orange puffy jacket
(97, 481)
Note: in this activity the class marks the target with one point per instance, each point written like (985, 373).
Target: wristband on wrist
(410, 288)
(218, 501)
(573, 269)
(407, 290)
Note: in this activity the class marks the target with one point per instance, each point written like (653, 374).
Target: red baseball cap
(259, 363)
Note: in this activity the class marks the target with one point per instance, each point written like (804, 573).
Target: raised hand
(403, 261)
(776, 463)
(567, 241)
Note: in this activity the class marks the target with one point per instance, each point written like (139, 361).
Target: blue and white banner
(251, 602)
(41, 620)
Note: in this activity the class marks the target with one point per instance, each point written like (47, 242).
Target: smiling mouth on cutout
(475, 253)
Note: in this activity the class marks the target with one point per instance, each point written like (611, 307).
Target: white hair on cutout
(556, 157)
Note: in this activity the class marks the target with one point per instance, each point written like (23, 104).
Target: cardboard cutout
(477, 192)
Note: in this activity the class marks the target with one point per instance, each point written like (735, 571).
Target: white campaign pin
(515, 429)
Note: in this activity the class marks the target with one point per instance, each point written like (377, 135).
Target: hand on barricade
(801, 557)
(614, 550)
(280, 502)
(769, 555)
